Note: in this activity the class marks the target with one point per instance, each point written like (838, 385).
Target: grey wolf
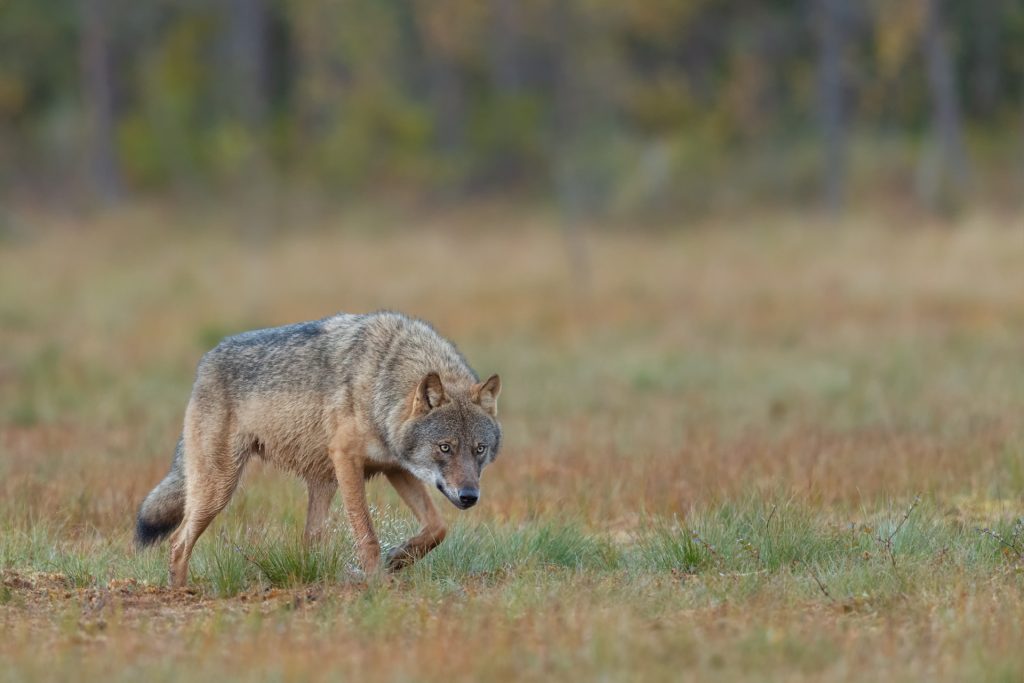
(335, 401)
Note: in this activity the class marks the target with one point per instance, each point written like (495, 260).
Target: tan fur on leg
(212, 472)
(415, 494)
(347, 452)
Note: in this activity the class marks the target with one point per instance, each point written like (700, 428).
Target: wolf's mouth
(454, 500)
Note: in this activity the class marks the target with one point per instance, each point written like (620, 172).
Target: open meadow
(763, 449)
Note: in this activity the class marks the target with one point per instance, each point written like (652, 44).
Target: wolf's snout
(469, 497)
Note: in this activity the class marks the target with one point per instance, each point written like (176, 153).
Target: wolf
(336, 401)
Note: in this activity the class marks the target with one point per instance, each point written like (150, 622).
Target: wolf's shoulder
(378, 325)
(400, 340)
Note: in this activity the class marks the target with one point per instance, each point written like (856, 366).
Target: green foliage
(748, 544)
(484, 551)
(286, 564)
(639, 103)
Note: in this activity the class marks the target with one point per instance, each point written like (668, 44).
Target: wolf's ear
(429, 395)
(486, 393)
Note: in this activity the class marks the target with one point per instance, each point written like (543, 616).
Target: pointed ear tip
(431, 380)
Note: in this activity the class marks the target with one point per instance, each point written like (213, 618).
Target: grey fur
(289, 394)
(162, 510)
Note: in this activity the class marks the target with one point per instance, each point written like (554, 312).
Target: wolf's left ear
(486, 393)
(429, 395)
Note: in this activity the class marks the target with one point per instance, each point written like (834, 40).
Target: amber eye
(445, 448)
(481, 448)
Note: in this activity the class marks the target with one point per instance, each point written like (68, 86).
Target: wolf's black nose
(469, 497)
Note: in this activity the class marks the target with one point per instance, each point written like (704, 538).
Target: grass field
(770, 449)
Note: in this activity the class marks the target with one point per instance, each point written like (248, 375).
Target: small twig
(247, 557)
(707, 546)
(887, 543)
(749, 548)
(906, 516)
(1009, 545)
(821, 584)
(771, 514)
(1018, 528)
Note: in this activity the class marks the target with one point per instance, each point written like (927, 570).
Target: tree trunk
(258, 199)
(951, 170)
(449, 103)
(103, 175)
(320, 69)
(247, 54)
(987, 73)
(568, 117)
(504, 50)
(830, 102)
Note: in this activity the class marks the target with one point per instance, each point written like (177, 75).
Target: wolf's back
(162, 510)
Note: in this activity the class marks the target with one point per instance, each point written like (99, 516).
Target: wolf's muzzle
(464, 499)
(468, 497)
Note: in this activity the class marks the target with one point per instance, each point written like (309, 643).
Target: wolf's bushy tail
(162, 510)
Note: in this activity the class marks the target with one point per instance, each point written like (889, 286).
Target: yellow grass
(842, 370)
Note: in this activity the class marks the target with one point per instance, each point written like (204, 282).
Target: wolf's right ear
(486, 393)
(429, 395)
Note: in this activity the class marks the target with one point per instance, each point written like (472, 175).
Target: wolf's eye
(444, 448)
(481, 448)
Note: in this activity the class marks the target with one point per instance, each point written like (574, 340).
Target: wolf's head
(452, 435)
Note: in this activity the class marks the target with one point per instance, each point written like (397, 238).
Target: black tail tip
(148, 533)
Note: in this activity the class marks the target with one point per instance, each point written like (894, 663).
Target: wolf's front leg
(347, 456)
(415, 494)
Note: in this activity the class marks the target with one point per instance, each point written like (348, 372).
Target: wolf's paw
(398, 558)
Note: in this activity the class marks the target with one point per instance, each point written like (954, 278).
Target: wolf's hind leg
(321, 493)
(415, 494)
(212, 475)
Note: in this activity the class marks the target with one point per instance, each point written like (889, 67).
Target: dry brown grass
(848, 368)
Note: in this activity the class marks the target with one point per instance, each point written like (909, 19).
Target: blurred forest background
(601, 107)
